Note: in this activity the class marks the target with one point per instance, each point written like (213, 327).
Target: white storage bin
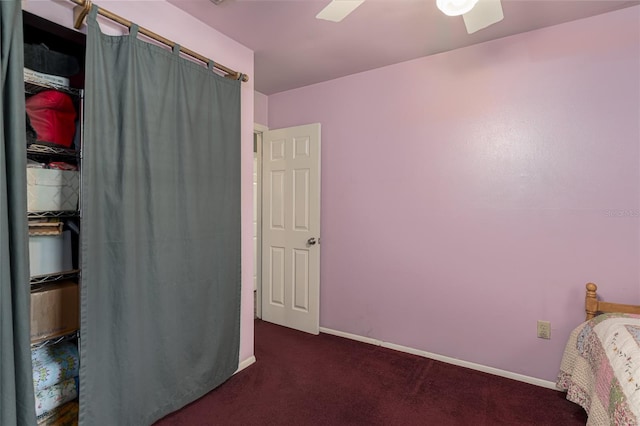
(52, 190)
(50, 254)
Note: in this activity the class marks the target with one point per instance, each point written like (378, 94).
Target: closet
(53, 86)
(158, 234)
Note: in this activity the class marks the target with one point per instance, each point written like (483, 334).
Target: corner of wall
(261, 108)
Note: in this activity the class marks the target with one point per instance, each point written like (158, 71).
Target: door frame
(258, 130)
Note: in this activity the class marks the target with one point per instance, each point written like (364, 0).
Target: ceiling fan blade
(485, 13)
(337, 10)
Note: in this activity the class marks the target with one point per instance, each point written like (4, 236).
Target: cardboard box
(54, 311)
(52, 190)
(40, 227)
(50, 254)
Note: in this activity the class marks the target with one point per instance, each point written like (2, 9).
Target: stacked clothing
(55, 381)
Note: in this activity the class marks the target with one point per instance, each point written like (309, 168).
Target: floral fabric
(600, 369)
(56, 395)
(54, 364)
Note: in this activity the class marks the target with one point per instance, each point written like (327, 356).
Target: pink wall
(468, 194)
(175, 24)
(260, 108)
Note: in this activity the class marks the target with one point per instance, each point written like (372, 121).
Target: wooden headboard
(593, 306)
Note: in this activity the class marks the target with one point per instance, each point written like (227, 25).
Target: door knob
(311, 241)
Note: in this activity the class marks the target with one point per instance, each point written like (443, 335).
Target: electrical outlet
(544, 329)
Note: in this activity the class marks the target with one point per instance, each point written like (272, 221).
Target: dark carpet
(300, 379)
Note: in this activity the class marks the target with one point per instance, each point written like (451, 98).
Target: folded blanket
(65, 415)
(56, 395)
(54, 364)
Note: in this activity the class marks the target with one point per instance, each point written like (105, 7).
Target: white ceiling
(293, 49)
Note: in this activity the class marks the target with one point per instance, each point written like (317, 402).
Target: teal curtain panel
(160, 292)
(17, 404)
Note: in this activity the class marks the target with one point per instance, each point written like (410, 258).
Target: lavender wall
(177, 25)
(468, 194)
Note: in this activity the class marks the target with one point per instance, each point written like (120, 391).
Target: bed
(600, 367)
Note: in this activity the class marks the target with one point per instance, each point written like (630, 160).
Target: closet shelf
(49, 278)
(55, 340)
(32, 87)
(51, 150)
(52, 214)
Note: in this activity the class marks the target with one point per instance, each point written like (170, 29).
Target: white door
(291, 227)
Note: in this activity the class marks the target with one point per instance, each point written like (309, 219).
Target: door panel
(277, 199)
(291, 227)
(276, 279)
(301, 280)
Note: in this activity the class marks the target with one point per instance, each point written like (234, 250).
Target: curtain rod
(84, 6)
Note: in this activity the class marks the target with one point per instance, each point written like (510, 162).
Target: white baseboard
(362, 339)
(448, 360)
(244, 364)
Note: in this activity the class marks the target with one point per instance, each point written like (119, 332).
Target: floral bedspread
(600, 369)
(54, 364)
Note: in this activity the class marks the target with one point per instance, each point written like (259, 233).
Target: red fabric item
(52, 116)
(61, 165)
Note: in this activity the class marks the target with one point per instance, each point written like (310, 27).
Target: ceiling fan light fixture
(455, 7)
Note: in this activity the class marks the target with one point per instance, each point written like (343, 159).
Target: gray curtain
(17, 406)
(160, 293)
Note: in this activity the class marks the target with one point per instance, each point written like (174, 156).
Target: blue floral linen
(54, 364)
(56, 395)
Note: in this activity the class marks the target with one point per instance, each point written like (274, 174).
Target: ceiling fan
(477, 14)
